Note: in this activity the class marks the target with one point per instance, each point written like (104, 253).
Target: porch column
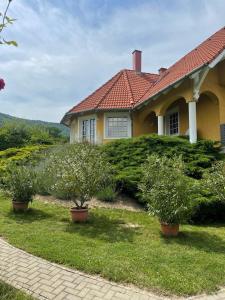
(192, 122)
(160, 125)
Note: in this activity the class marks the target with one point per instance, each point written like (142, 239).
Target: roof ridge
(129, 87)
(184, 59)
(107, 92)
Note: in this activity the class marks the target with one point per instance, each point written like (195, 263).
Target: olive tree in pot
(214, 180)
(21, 184)
(79, 171)
(167, 191)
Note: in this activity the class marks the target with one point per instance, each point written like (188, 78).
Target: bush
(165, 188)
(208, 211)
(77, 171)
(21, 182)
(214, 180)
(127, 156)
(20, 156)
(107, 194)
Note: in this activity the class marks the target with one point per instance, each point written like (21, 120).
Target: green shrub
(165, 188)
(214, 180)
(77, 171)
(127, 156)
(208, 210)
(107, 194)
(19, 156)
(21, 182)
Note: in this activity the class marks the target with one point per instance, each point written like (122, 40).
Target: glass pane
(117, 127)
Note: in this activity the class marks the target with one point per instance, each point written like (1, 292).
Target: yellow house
(188, 98)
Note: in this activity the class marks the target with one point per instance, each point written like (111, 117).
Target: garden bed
(121, 202)
(121, 245)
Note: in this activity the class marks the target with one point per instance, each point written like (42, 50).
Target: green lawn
(122, 246)
(9, 293)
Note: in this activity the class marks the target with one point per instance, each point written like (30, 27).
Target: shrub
(214, 180)
(20, 156)
(166, 189)
(208, 210)
(107, 193)
(77, 171)
(127, 156)
(21, 183)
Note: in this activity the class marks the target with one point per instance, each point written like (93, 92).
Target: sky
(68, 48)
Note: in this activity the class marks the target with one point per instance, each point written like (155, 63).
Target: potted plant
(20, 182)
(167, 191)
(79, 171)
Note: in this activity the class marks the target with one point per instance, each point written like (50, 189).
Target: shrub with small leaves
(21, 182)
(77, 171)
(165, 188)
(214, 180)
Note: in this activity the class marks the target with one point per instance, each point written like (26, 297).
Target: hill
(8, 118)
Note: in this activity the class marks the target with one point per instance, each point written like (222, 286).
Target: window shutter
(222, 133)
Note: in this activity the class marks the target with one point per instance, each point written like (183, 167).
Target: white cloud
(65, 52)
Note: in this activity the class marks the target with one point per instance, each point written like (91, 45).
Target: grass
(9, 293)
(122, 246)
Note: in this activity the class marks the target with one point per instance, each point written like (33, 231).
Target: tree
(4, 22)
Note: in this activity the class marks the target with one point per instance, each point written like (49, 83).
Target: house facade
(188, 99)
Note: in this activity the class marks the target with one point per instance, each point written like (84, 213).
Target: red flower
(2, 84)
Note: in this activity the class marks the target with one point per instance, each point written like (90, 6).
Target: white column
(160, 125)
(192, 122)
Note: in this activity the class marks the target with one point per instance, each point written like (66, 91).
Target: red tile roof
(128, 89)
(204, 54)
(122, 91)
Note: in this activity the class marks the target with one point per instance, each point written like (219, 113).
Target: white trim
(169, 113)
(117, 115)
(192, 122)
(87, 117)
(160, 125)
(220, 57)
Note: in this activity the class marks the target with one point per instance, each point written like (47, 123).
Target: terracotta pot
(20, 206)
(79, 214)
(169, 229)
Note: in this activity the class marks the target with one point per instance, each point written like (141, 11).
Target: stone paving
(48, 281)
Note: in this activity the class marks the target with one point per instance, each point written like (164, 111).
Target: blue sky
(68, 48)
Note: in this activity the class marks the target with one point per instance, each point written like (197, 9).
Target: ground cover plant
(24, 155)
(9, 293)
(194, 262)
(127, 156)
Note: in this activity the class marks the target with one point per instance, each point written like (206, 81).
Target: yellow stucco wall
(210, 108)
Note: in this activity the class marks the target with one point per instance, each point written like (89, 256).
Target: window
(87, 131)
(117, 126)
(173, 123)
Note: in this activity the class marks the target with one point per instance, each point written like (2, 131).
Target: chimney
(137, 61)
(162, 70)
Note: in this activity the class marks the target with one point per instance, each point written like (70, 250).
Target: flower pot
(169, 229)
(79, 214)
(20, 206)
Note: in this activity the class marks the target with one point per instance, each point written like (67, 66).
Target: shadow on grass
(199, 240)
(31, 215)
(104, 228)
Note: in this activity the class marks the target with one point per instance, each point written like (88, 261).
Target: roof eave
(169, 87)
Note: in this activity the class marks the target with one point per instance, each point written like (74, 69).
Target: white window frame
(88, 118)
(117, 115)
(167, 124)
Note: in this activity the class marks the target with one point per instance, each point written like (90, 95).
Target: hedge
(127, 156)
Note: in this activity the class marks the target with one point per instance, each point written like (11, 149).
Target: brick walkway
(46, 280)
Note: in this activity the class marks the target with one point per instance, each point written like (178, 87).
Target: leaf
(13, 43)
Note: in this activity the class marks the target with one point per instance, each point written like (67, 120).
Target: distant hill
(8, 118)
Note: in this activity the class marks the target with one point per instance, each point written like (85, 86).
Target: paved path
(45, 280)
